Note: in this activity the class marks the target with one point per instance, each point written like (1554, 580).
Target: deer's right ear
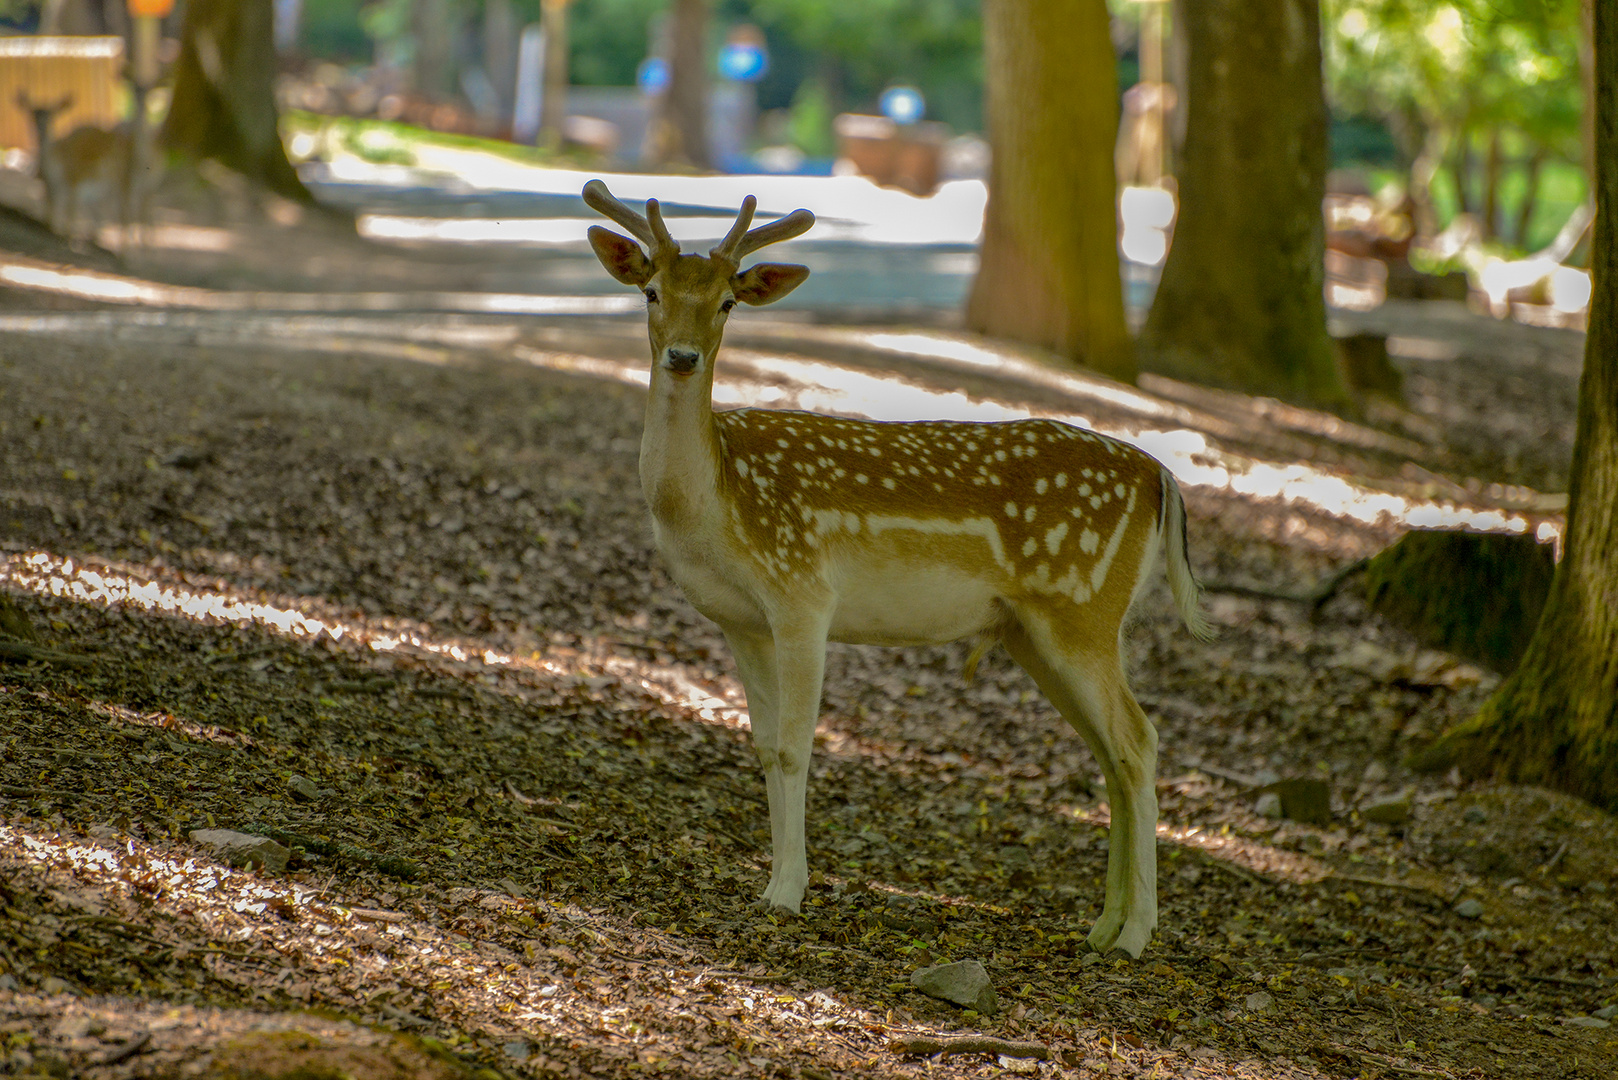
(622, 257)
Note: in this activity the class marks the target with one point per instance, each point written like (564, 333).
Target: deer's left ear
(622, 257)
(767, 282)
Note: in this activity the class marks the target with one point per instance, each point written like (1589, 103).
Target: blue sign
(902, 104)
(743, 61)
(653, 75)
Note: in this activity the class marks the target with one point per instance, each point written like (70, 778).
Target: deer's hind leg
(1089, 689)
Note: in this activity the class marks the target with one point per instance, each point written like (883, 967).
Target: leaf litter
(406, 620)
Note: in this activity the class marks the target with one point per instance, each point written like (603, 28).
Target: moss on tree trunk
(1474, 594)
(224, 95)
(1555, 720)
(1241, 303)
(1048, 273)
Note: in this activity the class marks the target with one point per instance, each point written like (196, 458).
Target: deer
(791, 529)
(85, 168)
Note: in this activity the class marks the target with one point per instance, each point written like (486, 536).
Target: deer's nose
(681, 360)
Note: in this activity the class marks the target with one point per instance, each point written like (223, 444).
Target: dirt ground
(382, 589)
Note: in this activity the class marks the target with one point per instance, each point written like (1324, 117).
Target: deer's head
(689, 297)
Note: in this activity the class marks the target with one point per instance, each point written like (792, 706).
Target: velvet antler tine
(661, 238)
(785, 228)
(727, 247)
(599, 199)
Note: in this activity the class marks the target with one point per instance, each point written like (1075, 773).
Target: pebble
(1475, 815)
(964, 983)
(303, 787)
(1260, 1001)
(1606, 1012)
(1268, 805)
(1586, 1022)
(1469, 909)
(244, 849)
(1395, 811)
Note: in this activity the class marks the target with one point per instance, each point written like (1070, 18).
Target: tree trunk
(1530, 197)
(432, 26)
(553, 101)
(1491, 187)
(1555, 720)
(224, 94)
(1242, 303)
(1048, 272)
(500, 35)
(682, 136)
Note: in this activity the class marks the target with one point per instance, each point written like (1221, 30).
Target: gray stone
(1469, 909)
(1606, 1012)
(1394, 811)
(1260, 1001)
(1475, 815)
(244, 849)
(964, 983)
(517, 1050)
(303, 787)
(1268, 805)
(1586, 1022)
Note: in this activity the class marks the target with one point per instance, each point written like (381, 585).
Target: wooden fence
(87, 70)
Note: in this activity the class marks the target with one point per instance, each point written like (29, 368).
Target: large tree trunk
(681, 137)
(432, 24)
(224, 94)
(1242, 300)
(553, 101)
(1555, 720)
(1049, 273)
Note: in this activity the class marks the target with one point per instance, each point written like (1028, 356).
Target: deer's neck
(680, 449)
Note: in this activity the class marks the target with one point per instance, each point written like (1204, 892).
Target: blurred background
(1454, 131)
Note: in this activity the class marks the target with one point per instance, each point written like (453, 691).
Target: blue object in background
(743, 61)
(902, 104)
(652, 76)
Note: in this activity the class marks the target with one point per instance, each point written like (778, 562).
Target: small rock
(1586, 1022)
(1469, 909)
(1475, 815)
(1375, 772)
(1260, 1001)
(303, 787)
(965, 983)
(1395, 811)
(8, 983)
(518, 1050)
(1606, 1012)
(1268, 805)
(244, 849)
(50, 984)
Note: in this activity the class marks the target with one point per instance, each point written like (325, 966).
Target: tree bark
(682, 135)
(1533, 167)
(432, 25)
(1048, 272)
(224, 94)
(1241, 303)
(1555, 720)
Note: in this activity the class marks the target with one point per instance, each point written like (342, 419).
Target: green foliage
(1450, 65)
(934, 45)
(331, 29)
(607, 39)
(810, 126)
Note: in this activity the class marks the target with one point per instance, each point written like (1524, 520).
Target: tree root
(972, 1044)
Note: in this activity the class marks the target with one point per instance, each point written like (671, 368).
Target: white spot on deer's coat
(1029, 547)
(1089, 540)
(1011, 509)
(1061, 479)
(741, 466)
(1054, 537)
(1028, 514)
(1040, 485)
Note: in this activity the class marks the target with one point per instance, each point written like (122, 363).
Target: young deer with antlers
(791, 529)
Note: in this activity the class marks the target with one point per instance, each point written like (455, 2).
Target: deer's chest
(704, 572)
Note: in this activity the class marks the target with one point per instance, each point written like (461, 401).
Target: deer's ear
(766, 283)
(622, 257)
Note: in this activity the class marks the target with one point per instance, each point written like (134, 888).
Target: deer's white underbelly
(897, 605)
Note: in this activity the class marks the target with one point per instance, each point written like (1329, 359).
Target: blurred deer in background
(791, 529)
(89, 167)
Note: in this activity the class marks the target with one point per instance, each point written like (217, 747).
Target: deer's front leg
(800, 665)
(755, 663)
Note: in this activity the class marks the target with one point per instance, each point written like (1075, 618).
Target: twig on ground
(971, 1044)
(24, 652)
(1316, 597)
(392, 865)
(123, 1053)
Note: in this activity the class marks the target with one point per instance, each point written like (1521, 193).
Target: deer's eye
(651, 296)
(726, 306)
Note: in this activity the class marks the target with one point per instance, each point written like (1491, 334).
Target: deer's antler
(648, 229)
(742, 241)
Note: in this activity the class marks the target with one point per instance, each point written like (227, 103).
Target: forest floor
(382, 588)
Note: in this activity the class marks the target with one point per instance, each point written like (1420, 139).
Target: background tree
(224, 95)
(1554, 721)
(680, 135)
(1048, 272)
(1242, 301)
(1476, 92)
